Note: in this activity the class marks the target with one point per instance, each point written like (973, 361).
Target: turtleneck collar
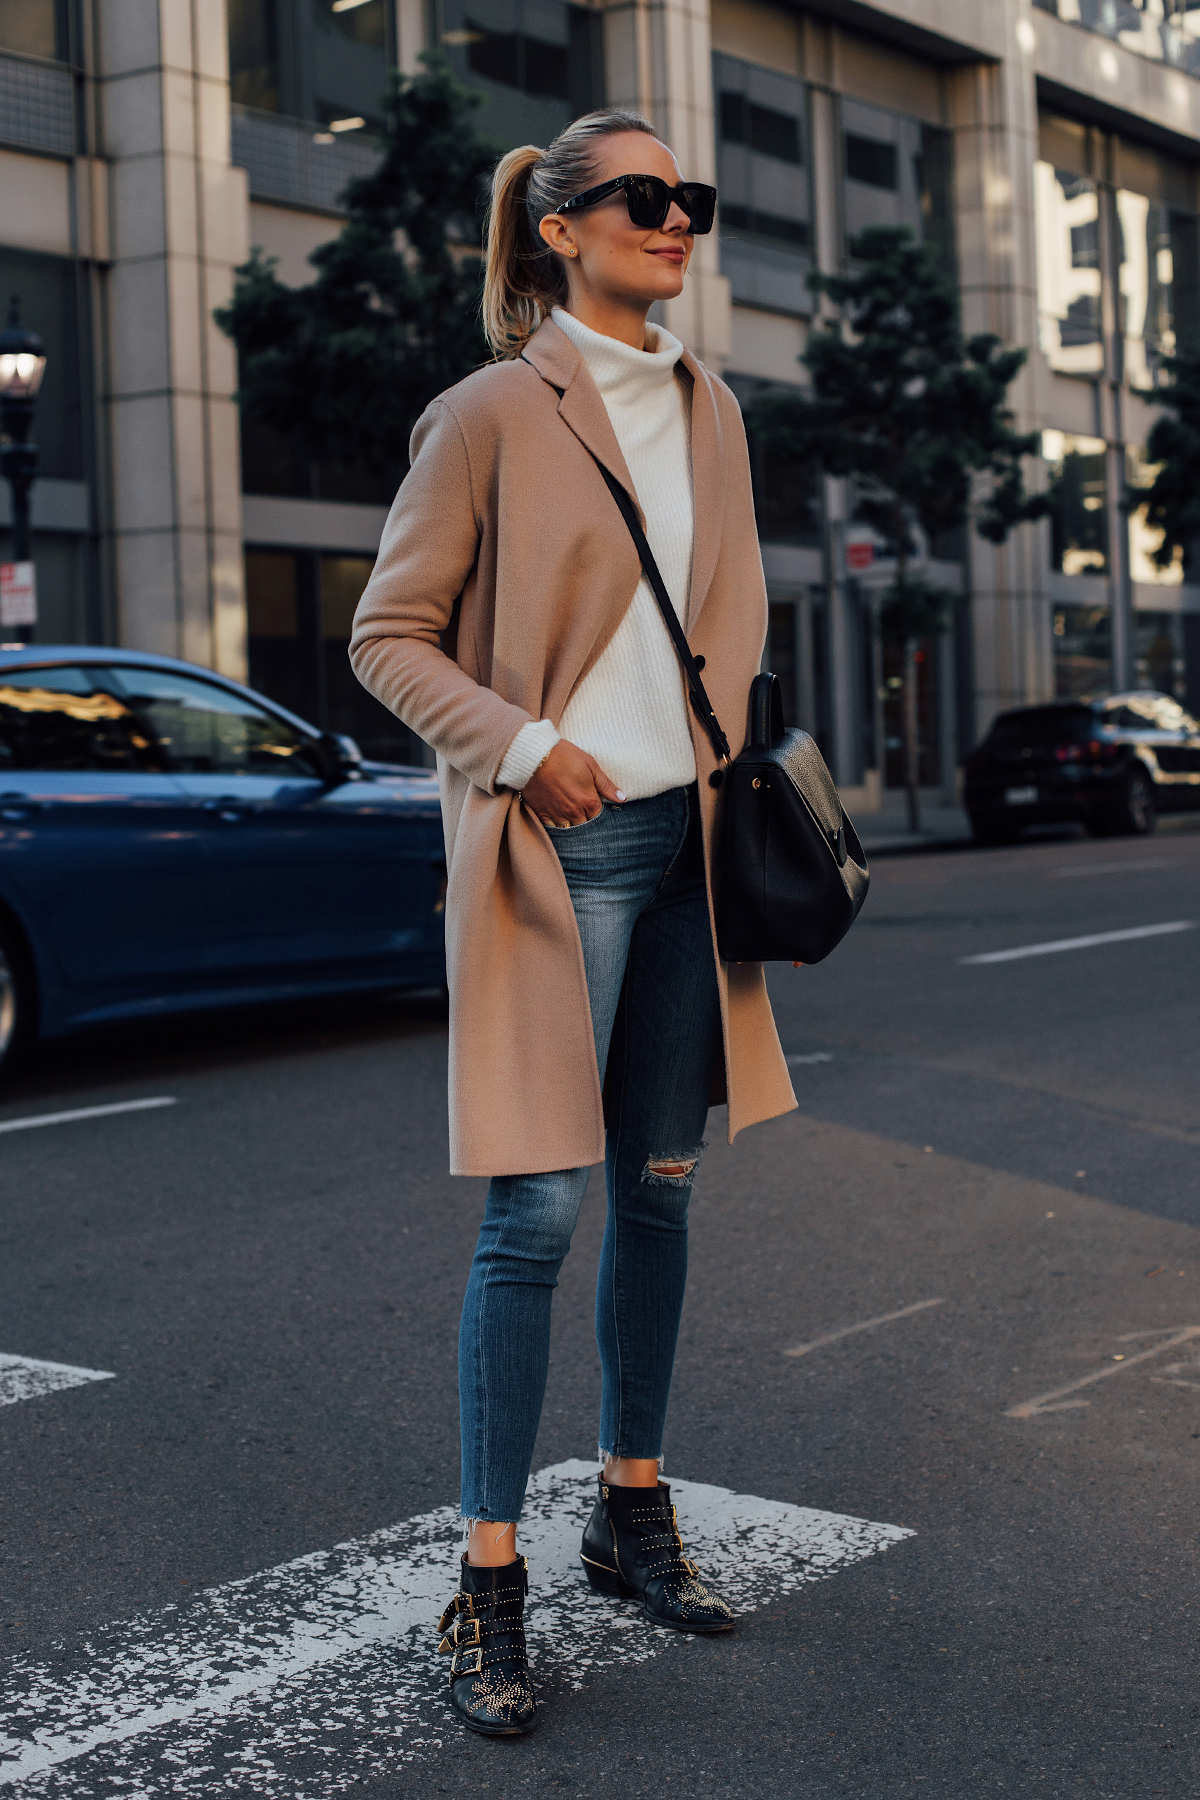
(623, 374)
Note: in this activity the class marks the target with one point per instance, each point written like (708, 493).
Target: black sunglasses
(649, 201)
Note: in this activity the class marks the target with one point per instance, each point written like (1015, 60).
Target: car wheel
(16, 999)
(994, 831)
(1135, 814)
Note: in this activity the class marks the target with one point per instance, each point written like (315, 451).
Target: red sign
(860, 554)
(18, 594)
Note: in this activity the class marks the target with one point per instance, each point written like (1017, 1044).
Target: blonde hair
(523, 277)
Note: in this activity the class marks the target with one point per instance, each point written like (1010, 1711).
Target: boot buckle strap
(461, 1663)
(461, 1603)
(464, 1632)
(687, 1563)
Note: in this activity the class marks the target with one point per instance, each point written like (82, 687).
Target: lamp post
(22, 365)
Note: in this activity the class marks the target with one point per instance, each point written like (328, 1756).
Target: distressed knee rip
(672, 1171)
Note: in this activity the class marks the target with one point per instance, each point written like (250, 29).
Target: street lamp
(22, 365)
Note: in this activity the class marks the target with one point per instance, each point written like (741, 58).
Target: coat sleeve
(428, 550)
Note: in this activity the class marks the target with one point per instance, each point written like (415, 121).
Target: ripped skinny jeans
(636, 878)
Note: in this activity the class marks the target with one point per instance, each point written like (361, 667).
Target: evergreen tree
(915, 416)
(348, 363)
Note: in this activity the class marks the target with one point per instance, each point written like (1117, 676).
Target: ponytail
(523, 277)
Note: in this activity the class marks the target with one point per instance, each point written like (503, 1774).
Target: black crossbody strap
(701, 704)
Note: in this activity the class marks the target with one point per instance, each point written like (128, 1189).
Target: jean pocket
(561, 831)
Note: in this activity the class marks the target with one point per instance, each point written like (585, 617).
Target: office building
(1049, 150)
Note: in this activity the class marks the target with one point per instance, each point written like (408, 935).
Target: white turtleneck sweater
(630, 710)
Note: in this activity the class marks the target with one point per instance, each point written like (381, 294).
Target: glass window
(348, 706)
(1143, 541)
(1082, 650)
(1158, 656)
(66, 719)
(1038, 725)
(1165, 30)
(35, 28)
(764, 214)
(1078, 498)
(273, 628)
(45, 287)
(538, 63)
(254, 54)
(1159, 263)
(345, 64)
(197, 728)
(1067, 229)
(898, 172)
(319, 60)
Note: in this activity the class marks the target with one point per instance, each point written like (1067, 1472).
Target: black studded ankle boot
(632, 1551)
(490, 1689)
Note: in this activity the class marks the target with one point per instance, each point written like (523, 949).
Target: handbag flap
(796, 753)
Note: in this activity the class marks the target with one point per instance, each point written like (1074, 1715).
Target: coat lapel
(554, 356)
(708, 486)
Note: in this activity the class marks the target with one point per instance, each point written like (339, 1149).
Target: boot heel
(607, 1581)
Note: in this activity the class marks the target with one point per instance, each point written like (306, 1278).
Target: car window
(1038, 725)
(197, 728)
(1138, 715)
(65, 718)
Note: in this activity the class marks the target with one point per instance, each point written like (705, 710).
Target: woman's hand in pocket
(569, 787)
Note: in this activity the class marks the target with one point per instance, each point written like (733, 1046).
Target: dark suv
(1112, 763)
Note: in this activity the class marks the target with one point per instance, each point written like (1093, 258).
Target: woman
(507, 623)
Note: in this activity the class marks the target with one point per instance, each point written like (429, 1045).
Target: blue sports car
(170, 840)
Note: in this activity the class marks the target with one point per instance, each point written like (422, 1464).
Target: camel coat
(504, 570)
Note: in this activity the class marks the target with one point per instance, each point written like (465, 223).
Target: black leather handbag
(793, 875)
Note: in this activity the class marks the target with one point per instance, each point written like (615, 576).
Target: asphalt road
(271, 1271)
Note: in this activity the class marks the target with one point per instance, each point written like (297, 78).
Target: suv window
(193, 727)
(1041, 725)
(65, 718)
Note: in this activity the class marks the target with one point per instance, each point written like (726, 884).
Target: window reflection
(196, 728)
(1067, 226)
(1082, 650)
(538, 63)
(1159, 659)
(1143, 539)
(1166, 30)
(1159, 273)
(1078, 498)
(764, 220)
(64, 719)
(898, 172)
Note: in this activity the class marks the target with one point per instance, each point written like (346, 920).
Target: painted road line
(25, 1378)
(832, 1337)
(818, 1056)
(1056, 1400)
(1112, 868)
(319, 1675)
(1083, 943)
(87, 1112)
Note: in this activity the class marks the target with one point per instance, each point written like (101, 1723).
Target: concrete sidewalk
(887, 831)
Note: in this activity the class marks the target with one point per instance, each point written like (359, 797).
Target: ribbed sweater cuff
(532, 744)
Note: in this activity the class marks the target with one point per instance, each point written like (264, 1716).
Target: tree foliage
(1173, 499)
(908, 408)
(349, 362)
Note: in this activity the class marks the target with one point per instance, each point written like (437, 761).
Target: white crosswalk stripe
(319, 1674)
(25, 1378)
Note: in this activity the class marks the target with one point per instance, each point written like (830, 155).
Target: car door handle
(230, 807)
(18, 806)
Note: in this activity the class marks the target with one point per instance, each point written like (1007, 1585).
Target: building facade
(1049, 150)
